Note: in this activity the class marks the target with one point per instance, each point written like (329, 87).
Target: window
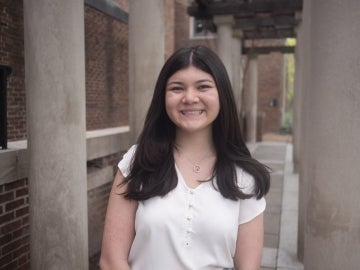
(200, 29)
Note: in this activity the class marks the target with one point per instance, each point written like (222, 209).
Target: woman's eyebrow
(197, 82)
(205, 80)
(174, 82)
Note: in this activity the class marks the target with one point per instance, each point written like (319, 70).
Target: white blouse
(189, 228)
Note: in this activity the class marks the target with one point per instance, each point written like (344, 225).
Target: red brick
(22, 192)
(22, 211)
(13, 245)
(6, 218)
(6, 197)
(25, 220)
(11, 50)
(24, 249)
(25, 266)
(11, 226)
(6, 259)
(5, 239)
(21, 232)
(10, 266)
(22, 259)
(15, 184)
(14, 204)
(106, 70)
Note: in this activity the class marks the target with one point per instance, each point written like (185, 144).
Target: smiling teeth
(198, 112)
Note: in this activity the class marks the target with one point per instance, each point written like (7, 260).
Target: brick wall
(271, 68)
(169, 13)
(106, 68)
(271, 86)
(14, 226)
(106, 44)
(14, 205)
(97, 204)
(12, 54)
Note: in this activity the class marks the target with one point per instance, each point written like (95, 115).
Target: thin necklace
(196, 168)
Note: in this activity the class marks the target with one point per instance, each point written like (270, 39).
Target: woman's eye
(204, 87)
(175, 89)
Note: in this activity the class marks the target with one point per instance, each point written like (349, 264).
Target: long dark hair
(153, 167)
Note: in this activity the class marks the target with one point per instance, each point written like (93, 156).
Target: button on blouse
(189, 228)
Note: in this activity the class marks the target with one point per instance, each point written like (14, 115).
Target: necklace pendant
(196, 168)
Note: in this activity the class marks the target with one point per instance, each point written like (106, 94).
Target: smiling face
(192, 100)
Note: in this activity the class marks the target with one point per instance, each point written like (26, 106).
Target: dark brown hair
(153, 168)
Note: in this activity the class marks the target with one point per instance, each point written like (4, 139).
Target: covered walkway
(52, 173)
(281, 215)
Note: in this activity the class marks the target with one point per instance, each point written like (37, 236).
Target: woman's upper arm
(119, 229)
(249, 244)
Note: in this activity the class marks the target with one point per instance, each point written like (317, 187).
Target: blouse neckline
(183, 182)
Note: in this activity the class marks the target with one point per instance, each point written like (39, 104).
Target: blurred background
(76, 80)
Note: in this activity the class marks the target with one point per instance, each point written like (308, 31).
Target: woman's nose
(190, 96)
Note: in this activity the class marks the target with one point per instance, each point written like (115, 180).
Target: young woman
(188, 195)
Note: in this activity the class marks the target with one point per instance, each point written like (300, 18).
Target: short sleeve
(124, 164)
(252, 207)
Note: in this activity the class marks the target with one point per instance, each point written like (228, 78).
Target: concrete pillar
(251, 99)
(298, 113)
(297, 100)
(55, 87)
(224, 25)
(146, 57)
(237, 71)
(304, 118)
(299, 122)
(332, 229)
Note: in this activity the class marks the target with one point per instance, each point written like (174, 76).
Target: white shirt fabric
(189, 229)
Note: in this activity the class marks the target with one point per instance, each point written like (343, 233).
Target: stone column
(55, 87)
(332, 228)
(146, 57)
(297, 101)
(299, 122)
(224, 25)
(237, 71)
(298, 91)
(297, 127)
(251, 99)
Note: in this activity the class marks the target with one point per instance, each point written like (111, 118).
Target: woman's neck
(195, 144)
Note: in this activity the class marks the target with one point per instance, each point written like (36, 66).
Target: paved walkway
(281, 215)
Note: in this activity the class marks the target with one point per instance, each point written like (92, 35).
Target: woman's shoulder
(125, 162)
(130, 153)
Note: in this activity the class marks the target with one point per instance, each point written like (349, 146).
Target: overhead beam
(268, 49)
(261, 19)
(254, 22)
(203, 3)
(269, 34)
(223, 8)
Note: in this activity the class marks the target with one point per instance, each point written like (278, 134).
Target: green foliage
(286, 123)
(290, 42)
